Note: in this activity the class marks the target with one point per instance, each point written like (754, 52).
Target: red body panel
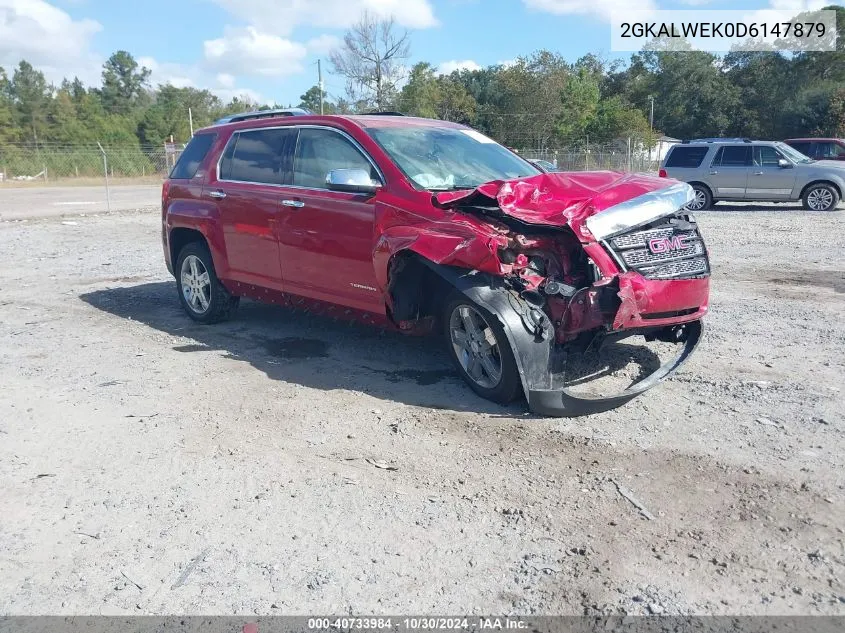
(338, 247)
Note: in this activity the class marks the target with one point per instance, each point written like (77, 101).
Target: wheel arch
(821, 181)
(181, 236)
(701, 183)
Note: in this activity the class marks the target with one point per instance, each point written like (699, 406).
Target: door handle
(296, 204)
(713, 172)
(758, 173)
(217, 194)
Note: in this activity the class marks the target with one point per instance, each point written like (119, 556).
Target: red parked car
(426, 225)
(819, 148)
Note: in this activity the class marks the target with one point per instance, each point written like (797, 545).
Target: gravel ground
(286, 463)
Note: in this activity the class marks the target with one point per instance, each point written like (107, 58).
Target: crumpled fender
(533, 348)
(461, 241)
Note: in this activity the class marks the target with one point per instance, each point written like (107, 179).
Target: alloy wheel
(820, 199)
(476, 347)
(698, 202)
(196, 284)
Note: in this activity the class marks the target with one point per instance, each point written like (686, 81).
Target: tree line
(540, 100)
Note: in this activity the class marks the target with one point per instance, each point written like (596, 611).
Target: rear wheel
(703, 198)
(202, 295)
(480, 350)
(820, 197)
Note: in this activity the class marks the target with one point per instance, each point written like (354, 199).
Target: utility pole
(320, 84)
(651, 129)
(191, 122)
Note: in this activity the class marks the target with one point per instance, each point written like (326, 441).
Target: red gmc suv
(426, 225)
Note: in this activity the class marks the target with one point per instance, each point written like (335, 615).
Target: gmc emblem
(668, 245)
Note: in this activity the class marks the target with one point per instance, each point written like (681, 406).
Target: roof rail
(718, 140)
(385, 113)
(262, 114)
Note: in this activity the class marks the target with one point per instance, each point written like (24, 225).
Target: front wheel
(820, 197)
(202, 295)
(480, 350)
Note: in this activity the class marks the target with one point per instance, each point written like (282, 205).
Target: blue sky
(267, 49)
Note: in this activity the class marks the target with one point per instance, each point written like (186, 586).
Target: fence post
(106, 173)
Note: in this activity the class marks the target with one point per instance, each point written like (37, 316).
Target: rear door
(247, 190)
(729, 171)
(326, 237)
(830, 150)
(768, 180)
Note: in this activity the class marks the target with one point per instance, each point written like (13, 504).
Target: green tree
(124, 83)
(30, 95)
(311, 101)
(8, 131)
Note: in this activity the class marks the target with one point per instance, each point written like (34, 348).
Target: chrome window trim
(236, 133)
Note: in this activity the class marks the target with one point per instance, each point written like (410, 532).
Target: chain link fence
(81, 163)
(69, 164)
(630, 157)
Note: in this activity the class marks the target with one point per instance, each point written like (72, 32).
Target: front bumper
(534, 347)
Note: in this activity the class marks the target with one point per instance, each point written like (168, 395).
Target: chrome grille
(671, 249)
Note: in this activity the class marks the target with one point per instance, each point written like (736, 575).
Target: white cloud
(49, 39)
(601, 8)
(248, 51)
(506, 63)
(226, 80)
(323, 44)
(282, 16)
(447, 68)
(223, 85)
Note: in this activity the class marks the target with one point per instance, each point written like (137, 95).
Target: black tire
(508, 386)
(220, 303)
(702, 197)
(820, 192)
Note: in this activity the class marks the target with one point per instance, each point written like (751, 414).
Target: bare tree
(372, 60)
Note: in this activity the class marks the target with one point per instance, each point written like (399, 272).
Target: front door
(251, 174)
(729, 171)
(326, 237)
(768, 180)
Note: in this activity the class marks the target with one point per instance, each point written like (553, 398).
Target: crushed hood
(597, 204)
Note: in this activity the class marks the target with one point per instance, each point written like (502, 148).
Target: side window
(767, 156)
(255, 156)
(686, 156)
(192, 156)
(319, 151)
(803, 147)
(736, 156)
(829, 150)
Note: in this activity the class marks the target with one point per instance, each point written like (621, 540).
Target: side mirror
(351, 181)
(784, 164)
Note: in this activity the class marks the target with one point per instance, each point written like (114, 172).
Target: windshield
(793, 154)
(442, 158)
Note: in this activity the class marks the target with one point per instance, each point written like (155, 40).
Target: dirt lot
(151, 465)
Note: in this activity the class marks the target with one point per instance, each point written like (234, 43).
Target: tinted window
(733, 156)
(829, 150)
(767, 156)
(255, 156)
(686, 156)
(319, 151)
(802, 147)
(192, 156)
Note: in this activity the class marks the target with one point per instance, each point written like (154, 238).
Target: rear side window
(256, 156)
(686, 156)
(192, 156)
(733, 156)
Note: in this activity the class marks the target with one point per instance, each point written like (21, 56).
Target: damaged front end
(584, 264)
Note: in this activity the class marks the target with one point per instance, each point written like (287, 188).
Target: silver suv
(739, 169)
